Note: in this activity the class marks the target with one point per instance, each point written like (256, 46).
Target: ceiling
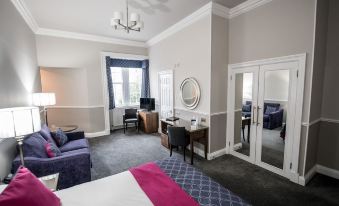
(93, 16)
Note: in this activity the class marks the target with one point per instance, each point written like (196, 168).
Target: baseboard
(237, 146)
(303, 180)
(97, 134)
(328, 171)
(213, 155)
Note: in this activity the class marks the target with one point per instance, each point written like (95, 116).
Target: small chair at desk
(177, 138)
(131, 116)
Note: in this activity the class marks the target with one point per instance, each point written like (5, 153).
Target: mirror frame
(197, 88)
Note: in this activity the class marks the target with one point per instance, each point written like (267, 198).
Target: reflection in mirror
(242, 112)
(190, 93)
(274, 117)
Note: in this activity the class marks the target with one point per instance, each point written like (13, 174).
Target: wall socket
(202, 119)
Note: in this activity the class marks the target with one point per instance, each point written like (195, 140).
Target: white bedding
(121, 189)
(118, 190)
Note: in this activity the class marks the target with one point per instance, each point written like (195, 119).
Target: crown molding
(88, 37)
(26, 14)
(246, 7)
(220, 10)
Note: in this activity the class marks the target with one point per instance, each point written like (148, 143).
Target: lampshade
(19, 121)
(134, 17)
(43, 99)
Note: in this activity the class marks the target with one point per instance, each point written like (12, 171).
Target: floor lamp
(19, 122)
(44, 100)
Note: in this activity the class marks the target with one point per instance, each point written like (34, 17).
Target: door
(243, 90)
(276, 115)
(264, 114)
(165, 81)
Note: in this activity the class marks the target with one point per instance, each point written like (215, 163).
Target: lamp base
(20, 143)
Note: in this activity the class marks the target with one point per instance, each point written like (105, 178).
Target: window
(126, 85)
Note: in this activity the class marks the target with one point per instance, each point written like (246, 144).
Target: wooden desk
(197, 133)
(149, 121)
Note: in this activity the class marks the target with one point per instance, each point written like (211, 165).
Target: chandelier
(132, 23)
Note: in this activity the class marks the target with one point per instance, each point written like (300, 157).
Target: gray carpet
(118, 152)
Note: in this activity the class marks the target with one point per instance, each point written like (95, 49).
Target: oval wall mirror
(190, 93)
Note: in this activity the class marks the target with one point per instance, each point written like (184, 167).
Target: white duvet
(118, 190)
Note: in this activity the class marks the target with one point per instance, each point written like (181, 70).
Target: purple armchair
(73, 166)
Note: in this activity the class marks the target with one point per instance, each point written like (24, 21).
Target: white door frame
(300, 60)
(104, 84)
(164, 72)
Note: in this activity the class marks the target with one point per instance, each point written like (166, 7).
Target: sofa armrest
(75, 135)
(276, 119)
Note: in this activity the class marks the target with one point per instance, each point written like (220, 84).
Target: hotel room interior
(169, 102)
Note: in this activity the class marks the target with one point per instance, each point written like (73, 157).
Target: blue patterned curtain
(126, 63)
(110, 83)
(145, 86)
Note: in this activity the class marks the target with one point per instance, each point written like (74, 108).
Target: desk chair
(131, 116)
(177, 138)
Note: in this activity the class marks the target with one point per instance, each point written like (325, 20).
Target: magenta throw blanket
(160, 188)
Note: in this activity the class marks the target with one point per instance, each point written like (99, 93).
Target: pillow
(52, 150)
(270, 109)
(25, 189)
(60, 137)
(46, 134)
(34, 146)
(246, 108)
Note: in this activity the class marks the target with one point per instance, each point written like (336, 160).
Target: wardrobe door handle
(253, 112)
(258, 123)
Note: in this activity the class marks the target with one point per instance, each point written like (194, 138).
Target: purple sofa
(73, 166)
(272, 119)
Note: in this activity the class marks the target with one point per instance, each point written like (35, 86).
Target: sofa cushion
(60, 137)
(46, 134)
(34, 146)
(26, 189)
(52, 150)
(270, 109)
(74, 145)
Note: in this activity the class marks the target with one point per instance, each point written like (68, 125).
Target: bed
(165, 182)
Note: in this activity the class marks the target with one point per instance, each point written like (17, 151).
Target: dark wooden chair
(131, 117)
(177, 138)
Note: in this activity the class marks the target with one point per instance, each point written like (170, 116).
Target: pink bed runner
(160, 188)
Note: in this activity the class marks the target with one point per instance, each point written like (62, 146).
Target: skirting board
(321, 170)
(97, 134)
(210, 156)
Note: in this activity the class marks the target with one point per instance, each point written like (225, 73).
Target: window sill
(127, 106)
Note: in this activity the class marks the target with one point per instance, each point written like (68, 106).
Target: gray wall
(279, 28)
(219, 75)
(328, 148)
(19, 73)
(85, 57)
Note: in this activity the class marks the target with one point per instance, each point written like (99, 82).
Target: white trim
(216, 154)
(330, 120)
(237, 146)
(303, 180)
(328, 171)
(308, 124)
(105, 90)
(219, 113)
(97, 134)
(187, 21)
(21, 6)
(276, 100)
(220, 10)
(75, 107)
(192, 111)
(246, 7)
(88, 37)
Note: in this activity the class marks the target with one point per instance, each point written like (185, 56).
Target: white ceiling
(93, 16)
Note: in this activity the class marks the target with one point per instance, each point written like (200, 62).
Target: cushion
(246, 108)
(74, 145)
(46, 134)
(270, 109)
(25, 189)
(52, 150)
(131, 120)
(60, 137)
(34, 146)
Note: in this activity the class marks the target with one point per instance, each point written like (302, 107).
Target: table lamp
(44, 100)
(18, 122)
